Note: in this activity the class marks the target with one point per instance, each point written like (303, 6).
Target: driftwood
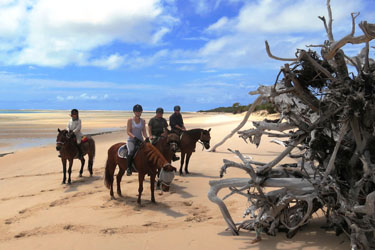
(328, 116)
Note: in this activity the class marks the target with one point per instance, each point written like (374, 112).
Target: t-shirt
(157, 125)
(175, 119)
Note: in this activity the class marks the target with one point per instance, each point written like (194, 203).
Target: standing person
(74, 126)
(136, 130)
(176, 122)
(157, 125)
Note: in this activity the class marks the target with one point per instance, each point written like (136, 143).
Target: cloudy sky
(112, 54)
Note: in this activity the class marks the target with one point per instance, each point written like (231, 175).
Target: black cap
(137, 108)
(74, 111)
(177, 108)
(160, 110)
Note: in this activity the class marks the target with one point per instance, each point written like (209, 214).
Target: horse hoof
(80, 175)
(63, 182)
(113, 198)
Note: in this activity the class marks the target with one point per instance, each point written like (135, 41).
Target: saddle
(84, 139)
(123, 153)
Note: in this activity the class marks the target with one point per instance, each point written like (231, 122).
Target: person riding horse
(176, 122)
(136, 129)
(157, 126)
(74, 126)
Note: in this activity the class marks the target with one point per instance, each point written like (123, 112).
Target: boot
(130, 162)
(175, 158)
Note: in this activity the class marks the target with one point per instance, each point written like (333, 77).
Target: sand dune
(38, 212)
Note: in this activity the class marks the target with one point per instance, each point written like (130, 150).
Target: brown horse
(188, 140)
(67, 146)
(147, 160)
(168, 144)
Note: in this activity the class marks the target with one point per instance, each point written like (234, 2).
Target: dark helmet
(177, 108)
(137, 108)
(74, 111)
(160, 110)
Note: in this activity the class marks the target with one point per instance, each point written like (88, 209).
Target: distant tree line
(237, 108)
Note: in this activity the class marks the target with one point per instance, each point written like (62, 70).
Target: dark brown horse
(147, 160)
(188, 140)
(168, 144)
(67, 146)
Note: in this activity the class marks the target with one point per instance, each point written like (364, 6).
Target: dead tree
(327, 125)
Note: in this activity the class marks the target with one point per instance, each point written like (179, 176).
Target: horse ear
(209, 129)
(58, 130)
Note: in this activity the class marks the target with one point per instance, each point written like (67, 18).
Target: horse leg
(82, 164)
(158, 182)
(91, 162)
(63, 160)
(118, 179)
(152, 181)
(70, 170)
(182, 161)
(141, 177)
(188, 155)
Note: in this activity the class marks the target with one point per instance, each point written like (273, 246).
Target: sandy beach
(38, 212)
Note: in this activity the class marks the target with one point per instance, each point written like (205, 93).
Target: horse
(168, 144)
(147, 160)
(66, 144)
(188, 140)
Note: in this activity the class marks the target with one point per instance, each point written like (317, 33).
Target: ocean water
(20, 129)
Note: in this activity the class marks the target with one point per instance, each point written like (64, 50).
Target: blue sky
(110, 55)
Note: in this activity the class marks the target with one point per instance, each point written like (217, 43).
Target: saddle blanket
(84, 139)
(122, 151)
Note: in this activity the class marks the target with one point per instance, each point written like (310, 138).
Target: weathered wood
(330, 115)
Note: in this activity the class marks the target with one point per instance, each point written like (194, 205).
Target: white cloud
(83, 96)
(57, 33)
(287, 25)
(112, 62)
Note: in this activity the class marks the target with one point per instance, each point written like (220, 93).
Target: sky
(113, 54)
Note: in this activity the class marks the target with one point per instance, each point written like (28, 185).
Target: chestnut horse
(67, 146)
(147, 160)
(188, 140)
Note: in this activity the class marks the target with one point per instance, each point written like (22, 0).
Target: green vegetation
(237, 108)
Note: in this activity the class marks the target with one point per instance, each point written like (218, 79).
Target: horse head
(173, 140)
(166, 176)
(205, 138)
(63, 136)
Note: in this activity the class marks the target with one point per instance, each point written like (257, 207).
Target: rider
(135, 129)
(176, 122)
(74, 126)
(157, 125)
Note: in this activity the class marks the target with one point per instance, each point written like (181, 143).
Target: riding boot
(130, 162)
(175, 157)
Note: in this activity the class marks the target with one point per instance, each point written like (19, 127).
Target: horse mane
(154, 155)
(193, 131)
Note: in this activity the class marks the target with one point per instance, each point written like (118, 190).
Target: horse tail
(154, 155)
(109, 165)
(108, 179)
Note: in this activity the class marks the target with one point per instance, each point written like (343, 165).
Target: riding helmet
(137, 108)
(74, 111)
(177, 108)
(160, 110)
